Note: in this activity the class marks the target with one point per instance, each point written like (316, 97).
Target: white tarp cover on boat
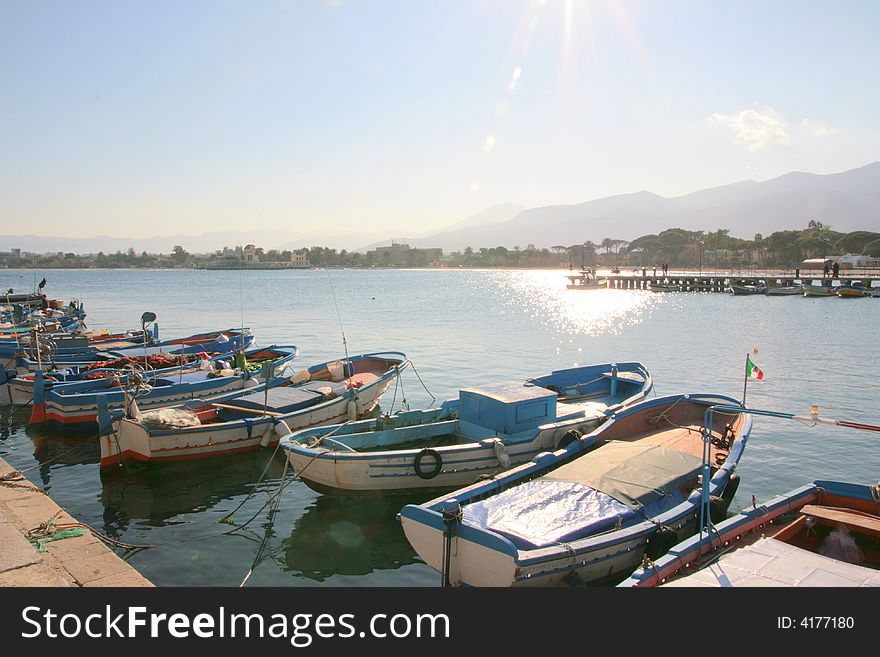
(578, 499)
(540, 513)
(769, 562)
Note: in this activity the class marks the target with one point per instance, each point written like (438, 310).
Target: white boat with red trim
(330, 392)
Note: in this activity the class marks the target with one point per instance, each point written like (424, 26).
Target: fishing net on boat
(169, 418)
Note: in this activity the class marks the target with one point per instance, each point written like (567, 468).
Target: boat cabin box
(508, 407)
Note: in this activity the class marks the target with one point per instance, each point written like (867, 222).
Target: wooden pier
(721, 282)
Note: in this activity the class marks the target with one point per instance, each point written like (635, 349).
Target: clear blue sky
(144, 118)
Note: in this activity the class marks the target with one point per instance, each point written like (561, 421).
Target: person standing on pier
(836, 269)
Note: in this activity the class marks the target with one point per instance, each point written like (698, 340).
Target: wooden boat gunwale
(692, 554)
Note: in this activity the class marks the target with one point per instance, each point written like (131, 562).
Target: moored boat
(242, 421)
(823, 534)
(665, 287)
(743, 290)
(853, 290)
(783, 290)
(587, 513)
(485, 431)
(74, 406)
(586, 280)
(77, 352)
(819, 291)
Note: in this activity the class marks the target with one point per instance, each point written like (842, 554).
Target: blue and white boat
(485, 431)
(74, 406)
(75, 351)
(744, 290)
(823, 534)
(589, 512)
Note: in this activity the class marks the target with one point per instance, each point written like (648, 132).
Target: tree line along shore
(673, 247)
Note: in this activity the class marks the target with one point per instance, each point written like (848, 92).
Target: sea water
(460, 328)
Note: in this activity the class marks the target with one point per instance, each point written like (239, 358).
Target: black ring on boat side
(438, 463)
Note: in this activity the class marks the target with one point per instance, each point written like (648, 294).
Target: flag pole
(745, 379)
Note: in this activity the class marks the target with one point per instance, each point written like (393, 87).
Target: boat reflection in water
(160, 494)
(343, 535)
(11, 421)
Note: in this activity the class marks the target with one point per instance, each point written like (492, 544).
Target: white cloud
(756, 129)
(817, 128)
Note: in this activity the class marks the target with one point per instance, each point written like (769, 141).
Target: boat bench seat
(856, 520)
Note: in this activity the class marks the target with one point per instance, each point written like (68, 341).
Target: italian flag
(752, 370)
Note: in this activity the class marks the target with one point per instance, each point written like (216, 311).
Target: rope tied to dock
(12, 475)
(49, 531)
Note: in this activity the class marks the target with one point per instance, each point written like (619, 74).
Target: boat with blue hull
(58, 355)
(74, 406)
(485, 431)
(348, 388)
(822, 534)
(587, 513)
(18, 389)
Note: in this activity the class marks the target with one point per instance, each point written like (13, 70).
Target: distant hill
(846, 201)
(203, 243)
(493, 216)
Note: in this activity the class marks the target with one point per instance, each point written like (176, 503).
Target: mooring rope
(272, 513)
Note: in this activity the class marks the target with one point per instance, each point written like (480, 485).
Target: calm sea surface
(460, 328)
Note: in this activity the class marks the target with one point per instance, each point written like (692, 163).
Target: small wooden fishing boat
(587, 513)
(586, 279)
(823, 534)
(783, 290)
(74, 406)
(743, 290)
(853, 290)
(75, 352)
(819, 291)
(483, 432)
(325, 393)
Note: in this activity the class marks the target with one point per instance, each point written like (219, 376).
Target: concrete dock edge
(83, 560)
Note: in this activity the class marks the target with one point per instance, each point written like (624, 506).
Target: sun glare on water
(543, 295)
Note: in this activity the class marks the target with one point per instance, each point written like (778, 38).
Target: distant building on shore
(251, 257)
(404, 255)
(845, 262)
(10, 257)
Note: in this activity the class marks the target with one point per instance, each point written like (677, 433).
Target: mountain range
(846, 201)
